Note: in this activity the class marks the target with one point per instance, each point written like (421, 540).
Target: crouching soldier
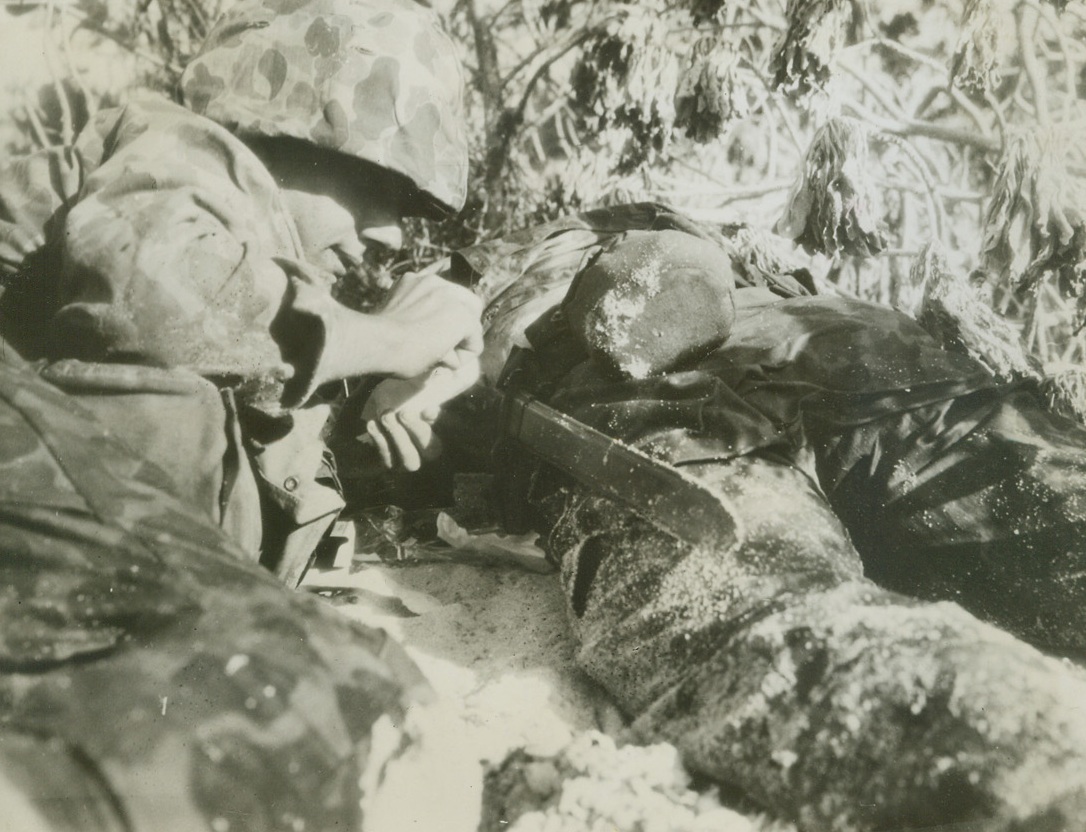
(862, 508)
(175, 269)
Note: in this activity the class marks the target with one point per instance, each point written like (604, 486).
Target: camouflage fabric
(152, 678)
(160, 239)
(175, 251)
(779, 670)
(374, 79)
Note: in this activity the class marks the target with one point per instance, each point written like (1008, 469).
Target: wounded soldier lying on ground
(831, 658)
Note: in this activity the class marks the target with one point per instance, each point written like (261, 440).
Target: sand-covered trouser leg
(777, 668)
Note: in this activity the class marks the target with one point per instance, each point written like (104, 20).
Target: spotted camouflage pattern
(150, 677)
(173, 247)
(376, 79)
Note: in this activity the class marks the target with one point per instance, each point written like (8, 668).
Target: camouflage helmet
(375, 79)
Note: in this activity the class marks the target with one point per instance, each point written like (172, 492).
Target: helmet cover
(374, 79)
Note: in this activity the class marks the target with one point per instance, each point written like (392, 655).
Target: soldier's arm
(425, 322)
(429, 335)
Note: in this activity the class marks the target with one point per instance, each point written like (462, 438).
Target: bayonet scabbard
(659, 492)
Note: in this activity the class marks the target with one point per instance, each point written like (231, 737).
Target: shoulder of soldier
(143, 113)
(153, 144)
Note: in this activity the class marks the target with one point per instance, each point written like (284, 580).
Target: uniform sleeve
(180, 253)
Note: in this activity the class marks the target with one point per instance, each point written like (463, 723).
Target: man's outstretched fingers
(422, 433)
(400, 440)
(381, 442)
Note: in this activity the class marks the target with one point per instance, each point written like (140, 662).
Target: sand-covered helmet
(374, 79)
(652, 299)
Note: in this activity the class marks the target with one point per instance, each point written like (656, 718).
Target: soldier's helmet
(375, 79)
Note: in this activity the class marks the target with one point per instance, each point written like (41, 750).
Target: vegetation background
(921, 153)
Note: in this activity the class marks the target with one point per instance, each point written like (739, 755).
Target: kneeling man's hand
(400, 413)
(431, 322)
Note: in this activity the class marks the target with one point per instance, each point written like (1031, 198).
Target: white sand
(494, 643)
(491, 638)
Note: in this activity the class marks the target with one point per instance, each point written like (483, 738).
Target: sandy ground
(490, 637)
(490, 633)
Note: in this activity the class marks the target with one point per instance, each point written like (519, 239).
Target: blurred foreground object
(155, 679)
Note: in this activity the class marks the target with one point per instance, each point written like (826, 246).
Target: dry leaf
(1035, 224)
(817, 29)
(956, 314)
(986, 41)
(709, 95)
(833, 207)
